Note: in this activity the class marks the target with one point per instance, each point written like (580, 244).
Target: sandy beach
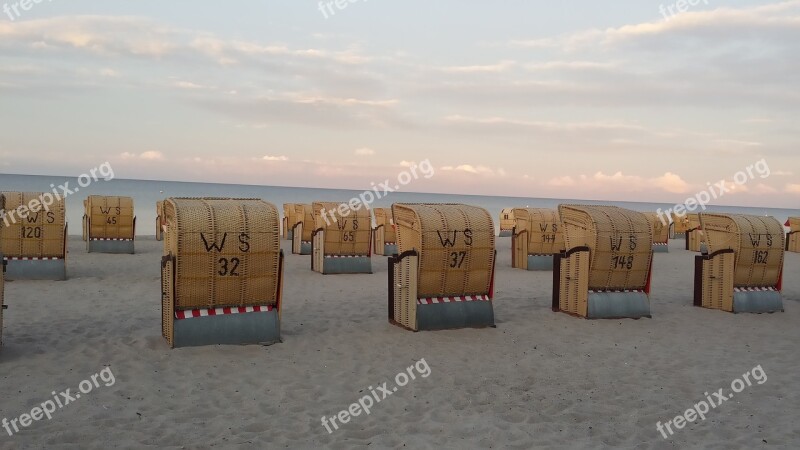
(539, 379)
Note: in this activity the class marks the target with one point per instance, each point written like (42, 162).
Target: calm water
(146, 193)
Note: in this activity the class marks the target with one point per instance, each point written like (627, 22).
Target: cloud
(762, 188)
(187, 85)
(671, 182)
(793, 188)
(275, 158)
(492, 68)
(111, 73)
(150, 155)
(600, 181)
(565, 181)
(720, 23)
(364, 151)
(475, 170)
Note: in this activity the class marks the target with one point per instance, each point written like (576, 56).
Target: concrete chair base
(106, 246)
(357, 264)
(661, 248)
(229, 329)
(757, 302)
(36, 269)
(389, 249)
(448, 316)
(613, 305)
(540, 262)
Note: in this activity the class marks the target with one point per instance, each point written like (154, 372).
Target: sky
(605, 100)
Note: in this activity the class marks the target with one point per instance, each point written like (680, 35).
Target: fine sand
(539, 379)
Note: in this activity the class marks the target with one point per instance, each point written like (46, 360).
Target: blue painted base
(55, 269)
(504, 233)
(389, 249)
(117, 247)
(615, 305)
(362, 264)
(660, 248)
(447, 316)
(229, 329)
(540, 262)
(757, 302)
(305, 248)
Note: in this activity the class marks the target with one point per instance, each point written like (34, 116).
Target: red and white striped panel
(192, 313)
(109, 239)
(754, 289)
(463, 298)
(616, 291)
(33, 258)
(305, 242)
(660, 243)
(346, 256)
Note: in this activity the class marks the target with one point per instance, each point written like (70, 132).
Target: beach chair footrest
(765, 301)
(261, 327)
(350, 264)
(613, 305)
(540, 262)
(36, 269)
(453, 315)
(122, 246)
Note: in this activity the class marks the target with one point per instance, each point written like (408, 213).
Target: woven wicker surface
(507, 219)
(757, 241)
(305, 213)
(456, 244)
(289, 214)
(681, 223)
(660, 231)
(695, 239)
(2, 288)
(620, 240)
(159, 219)
(694, 220)
(717, 289)
(160, 210)
(40, 234)
(573, 293)
(794, 243)
(794, 223)
(349, 234)
(227, 251)
(110, 217)
(544, 229)
(383, 216)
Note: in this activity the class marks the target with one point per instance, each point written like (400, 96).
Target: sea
(146, 193)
